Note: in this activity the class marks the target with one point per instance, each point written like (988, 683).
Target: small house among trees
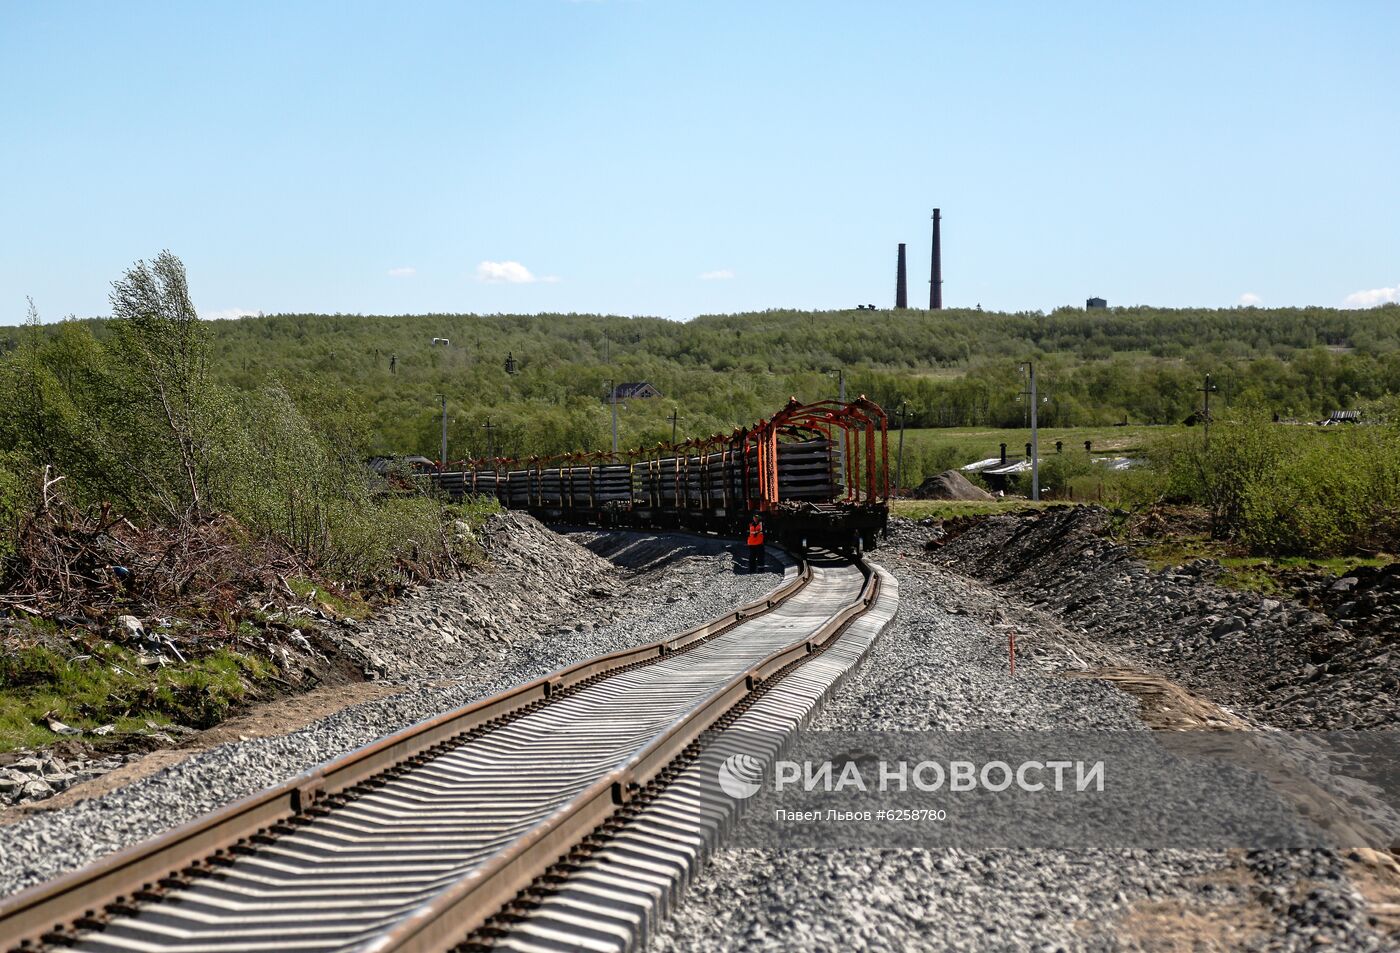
(1096, 303)
(635, 390)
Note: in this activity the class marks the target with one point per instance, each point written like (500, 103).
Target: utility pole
(1207, 389)
(612, 399)
(490, 447)
(443, 458)
(899, 458)
(1035, 435)
(675, 416)
(840, 373)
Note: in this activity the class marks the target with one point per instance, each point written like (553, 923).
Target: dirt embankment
(1277, 659)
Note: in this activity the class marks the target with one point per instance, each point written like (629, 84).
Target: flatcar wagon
(815, 473)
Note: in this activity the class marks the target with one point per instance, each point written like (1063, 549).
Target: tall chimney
(901, 289)
(935, 278)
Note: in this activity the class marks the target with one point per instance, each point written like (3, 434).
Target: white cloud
(229, 314)
(1372, 297)
(511, 273)
(1250, 300)
(721, 274)
(405, 271)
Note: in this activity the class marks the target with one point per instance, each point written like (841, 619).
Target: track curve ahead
(358, 875)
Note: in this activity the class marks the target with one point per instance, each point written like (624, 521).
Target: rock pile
(33, 777)
(1289, 665)
(1366, 598)
(531, 576)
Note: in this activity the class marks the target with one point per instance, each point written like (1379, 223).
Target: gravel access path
(586, 607)
(942, 665)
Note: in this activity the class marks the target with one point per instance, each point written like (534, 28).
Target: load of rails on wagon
(815, 473)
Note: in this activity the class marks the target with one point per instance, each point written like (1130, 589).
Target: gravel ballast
(942, 665)
(1283, 663)
(685, 581)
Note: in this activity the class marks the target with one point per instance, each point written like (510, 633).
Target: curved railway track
(430, 836)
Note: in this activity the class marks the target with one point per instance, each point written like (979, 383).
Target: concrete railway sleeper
(413, 842)
(614, 889)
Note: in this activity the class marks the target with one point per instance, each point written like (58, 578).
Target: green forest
(954, 368)
(177, 420)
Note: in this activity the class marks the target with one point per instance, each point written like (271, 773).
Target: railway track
(456, 827)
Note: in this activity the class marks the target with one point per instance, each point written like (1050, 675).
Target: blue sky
(677, 158)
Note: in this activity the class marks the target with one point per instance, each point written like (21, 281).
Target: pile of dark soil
(949, 485)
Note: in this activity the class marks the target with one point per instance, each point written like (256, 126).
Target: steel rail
(411, 862)
(445, 921)
(48, 911)
(611, 892)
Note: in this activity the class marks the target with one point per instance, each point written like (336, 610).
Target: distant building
(1343, 417)
(1096, 303)
(635, 390)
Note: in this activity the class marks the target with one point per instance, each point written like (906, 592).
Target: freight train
(816, 474)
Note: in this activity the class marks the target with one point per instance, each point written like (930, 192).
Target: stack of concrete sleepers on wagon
(451, 482)
(517, 490)
(660, 479)
(546, 488)
(579, 486)
(693, 480)
(613, 483)
(718, 485)
(805, 471)
(711, 478)
(483, 483)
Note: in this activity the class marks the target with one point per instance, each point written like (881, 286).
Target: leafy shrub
(1058, 471)
(139, 419)
(1292, 490)
(16, 499)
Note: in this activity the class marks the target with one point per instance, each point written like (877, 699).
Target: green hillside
(954, 368)
(175, 420)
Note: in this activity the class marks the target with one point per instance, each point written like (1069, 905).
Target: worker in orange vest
(755, 543)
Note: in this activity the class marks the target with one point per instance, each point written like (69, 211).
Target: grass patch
(947, 509)
(980, 443)
(346, 605)
(108, 685)
(1244, 573)
(930, 451)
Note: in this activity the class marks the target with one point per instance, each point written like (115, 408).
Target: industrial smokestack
(901, 285)
(935, 278)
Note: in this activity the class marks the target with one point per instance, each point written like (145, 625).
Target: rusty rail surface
(51, 912)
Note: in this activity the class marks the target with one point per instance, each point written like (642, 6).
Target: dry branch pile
(81, 566)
